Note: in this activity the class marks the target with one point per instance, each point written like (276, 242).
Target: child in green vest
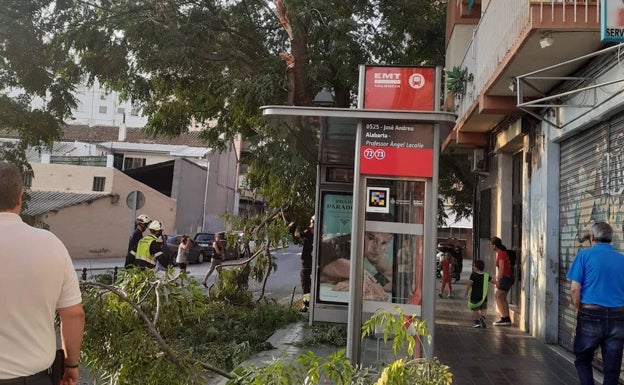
(477, 288)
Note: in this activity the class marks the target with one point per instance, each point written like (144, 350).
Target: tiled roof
(42, 202)
(99, 134)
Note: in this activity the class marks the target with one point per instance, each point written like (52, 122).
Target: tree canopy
(207, 62)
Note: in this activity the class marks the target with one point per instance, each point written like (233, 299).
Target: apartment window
(130, 163)
(134, 111)
(102, 109)
(98, 183)
(103, 96)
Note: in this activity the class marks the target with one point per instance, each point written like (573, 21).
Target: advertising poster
(612, 20)
(334, 256)
(335, 247)
(399, 88)
(392, 245)
(408, 288)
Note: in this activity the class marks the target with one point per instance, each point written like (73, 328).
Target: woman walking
(503, 281)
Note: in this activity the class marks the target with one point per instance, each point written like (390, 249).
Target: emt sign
(399, 88)
(612, 20)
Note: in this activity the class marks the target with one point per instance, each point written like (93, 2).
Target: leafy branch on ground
(325, 333)
(408, 368)
(153, 329)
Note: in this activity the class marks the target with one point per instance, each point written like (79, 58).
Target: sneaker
(482, 322)
(477, 324)
(440, 295)
(502, 322)
(449, 295)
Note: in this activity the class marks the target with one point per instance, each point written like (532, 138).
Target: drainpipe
(203, 226)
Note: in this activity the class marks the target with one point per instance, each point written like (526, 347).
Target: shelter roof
(301, 126)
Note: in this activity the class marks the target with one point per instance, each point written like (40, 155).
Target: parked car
(196, 252)
(204, 242)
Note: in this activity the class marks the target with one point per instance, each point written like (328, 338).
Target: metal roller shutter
(590, 187)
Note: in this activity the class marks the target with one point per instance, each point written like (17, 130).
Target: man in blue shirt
(597, 291)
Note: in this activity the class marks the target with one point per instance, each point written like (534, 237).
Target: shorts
(505, 283)
(483, 306)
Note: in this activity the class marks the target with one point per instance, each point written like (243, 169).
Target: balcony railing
(98, 161)
(501, 25)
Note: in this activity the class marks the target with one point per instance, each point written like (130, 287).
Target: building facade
(542, 114)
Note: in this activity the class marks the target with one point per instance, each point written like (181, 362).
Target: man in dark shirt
(142, 222)
(307, 240)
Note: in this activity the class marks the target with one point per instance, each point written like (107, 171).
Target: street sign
(135, 200)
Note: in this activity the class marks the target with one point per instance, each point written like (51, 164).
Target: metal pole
(135, 202)
(356, 272)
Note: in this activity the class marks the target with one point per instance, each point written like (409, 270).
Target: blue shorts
(505, 283)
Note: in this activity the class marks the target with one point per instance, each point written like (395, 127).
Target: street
(279, 285)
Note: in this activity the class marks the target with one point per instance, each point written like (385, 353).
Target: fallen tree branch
(152, 328)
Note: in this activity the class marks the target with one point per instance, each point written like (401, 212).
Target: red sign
(399, 88)
(396, 148)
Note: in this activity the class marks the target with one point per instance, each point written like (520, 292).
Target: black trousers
(306, 279)
(41, 378)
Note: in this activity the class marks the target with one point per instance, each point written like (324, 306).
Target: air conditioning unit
(479, 163)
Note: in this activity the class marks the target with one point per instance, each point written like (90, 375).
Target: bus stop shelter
(370, 207)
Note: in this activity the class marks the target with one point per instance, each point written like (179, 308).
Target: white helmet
(143, 219)
(155, 226)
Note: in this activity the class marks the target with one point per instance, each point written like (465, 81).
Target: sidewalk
(497, 355)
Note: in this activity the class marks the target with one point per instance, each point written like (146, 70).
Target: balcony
(512, 38)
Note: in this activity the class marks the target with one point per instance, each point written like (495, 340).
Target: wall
(52, 177)
(102, 228)
(541, 271)
(221, 184)
(188, 189)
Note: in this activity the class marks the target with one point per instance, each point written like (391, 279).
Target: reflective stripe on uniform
(143, 249)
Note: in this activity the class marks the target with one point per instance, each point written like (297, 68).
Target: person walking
(447, 274)
(40, 281)
(150, 246)
(477, 289)
(306, 238)
(503, 281)
(141, 223)
(597, 292)
(217, 258)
